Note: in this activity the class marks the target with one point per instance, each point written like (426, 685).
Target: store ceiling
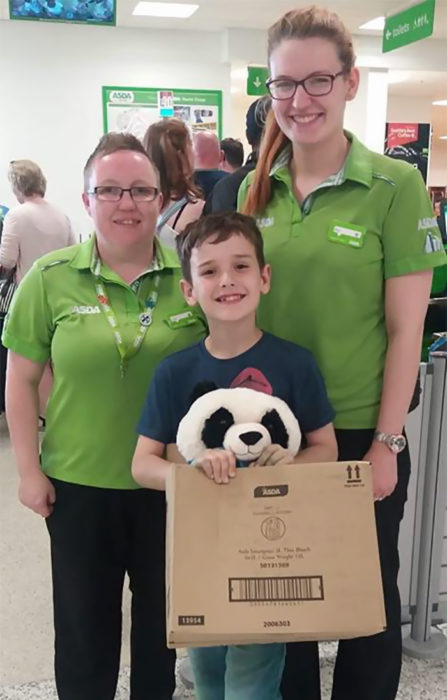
(259, 14)
(217, 15)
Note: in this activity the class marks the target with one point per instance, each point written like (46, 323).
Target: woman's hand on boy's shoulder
(217, 464)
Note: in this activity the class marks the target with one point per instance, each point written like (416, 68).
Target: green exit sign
(257, 75)
(409, 25)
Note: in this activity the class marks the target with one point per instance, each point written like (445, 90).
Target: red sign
(400, 134)
(409, 142)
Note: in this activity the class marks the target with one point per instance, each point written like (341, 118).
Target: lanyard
(145, 319)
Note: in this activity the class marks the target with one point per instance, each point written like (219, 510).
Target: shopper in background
(35, 227)
(352, 242)
(169, 146)
(231, 155)
(224, 194)
(4, 302)
(106, 312)
(30, 230)
(207, 155)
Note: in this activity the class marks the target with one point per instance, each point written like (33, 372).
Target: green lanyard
(145, 319)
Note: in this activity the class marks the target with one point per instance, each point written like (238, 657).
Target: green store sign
(410, 25)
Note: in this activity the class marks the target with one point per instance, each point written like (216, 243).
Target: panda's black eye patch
(278, 432)
(215, 427)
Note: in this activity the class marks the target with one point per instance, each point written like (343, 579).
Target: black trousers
(97, 535)
(367, 668)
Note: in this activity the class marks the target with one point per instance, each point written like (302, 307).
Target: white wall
(51, 77)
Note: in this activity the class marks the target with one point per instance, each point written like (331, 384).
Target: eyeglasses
(314, 85)
(111, 193)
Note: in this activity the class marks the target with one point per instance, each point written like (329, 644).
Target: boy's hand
(273, 455)
(219, 465)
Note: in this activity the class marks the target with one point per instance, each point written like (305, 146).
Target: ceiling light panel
(165, 9)
(376, 23)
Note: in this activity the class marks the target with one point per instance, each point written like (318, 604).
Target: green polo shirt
(330, 256)
(93, 410)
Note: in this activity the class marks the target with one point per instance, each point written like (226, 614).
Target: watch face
(397, 443)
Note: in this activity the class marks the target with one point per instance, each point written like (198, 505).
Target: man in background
(207, 155)
(224, 194)
(232, 155)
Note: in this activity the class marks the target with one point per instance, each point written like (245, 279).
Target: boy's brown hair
(220, 227)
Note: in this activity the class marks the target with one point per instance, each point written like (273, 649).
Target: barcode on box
(275, 588)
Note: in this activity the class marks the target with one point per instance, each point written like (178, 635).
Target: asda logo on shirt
(428, 222)
(86, 310)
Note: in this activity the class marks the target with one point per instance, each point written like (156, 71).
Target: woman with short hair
(35, 227)
(106, 312)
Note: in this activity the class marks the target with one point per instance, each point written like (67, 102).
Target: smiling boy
(224, 272)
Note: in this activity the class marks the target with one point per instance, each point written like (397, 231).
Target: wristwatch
(396, 443)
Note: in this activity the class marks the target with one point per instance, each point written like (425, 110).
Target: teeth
(304, 120)
(127, 222)
(230, 297)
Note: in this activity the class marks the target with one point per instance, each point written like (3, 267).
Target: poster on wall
(134, 109)
(78, 11)
(409, 142)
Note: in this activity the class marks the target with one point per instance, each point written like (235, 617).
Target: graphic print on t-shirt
(251, 378)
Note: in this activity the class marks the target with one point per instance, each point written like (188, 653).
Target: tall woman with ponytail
(352, 242)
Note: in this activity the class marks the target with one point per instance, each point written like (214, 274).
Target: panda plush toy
(242, 420)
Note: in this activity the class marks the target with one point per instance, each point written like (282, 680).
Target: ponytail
(273, 142)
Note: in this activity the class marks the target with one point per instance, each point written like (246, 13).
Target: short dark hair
(255, 120)
(234, 151)
(222, 226)
(111, 143)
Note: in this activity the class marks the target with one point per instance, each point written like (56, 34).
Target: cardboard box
(279, 554)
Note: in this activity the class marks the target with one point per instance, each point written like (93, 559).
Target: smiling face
(123, 223)
(226, 279)
(302, 118)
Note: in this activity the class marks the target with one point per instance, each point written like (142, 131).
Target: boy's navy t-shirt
(272, 365)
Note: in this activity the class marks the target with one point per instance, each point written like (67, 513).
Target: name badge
(347, 234)
(186, 318)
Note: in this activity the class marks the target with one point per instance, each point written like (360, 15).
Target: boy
(224, 271)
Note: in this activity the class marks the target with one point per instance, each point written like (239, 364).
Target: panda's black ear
(200, 389)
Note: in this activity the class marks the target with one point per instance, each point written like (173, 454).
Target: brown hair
(166, 142)
(111, 143)
(306, 23)
(27, 178)
(222, 227)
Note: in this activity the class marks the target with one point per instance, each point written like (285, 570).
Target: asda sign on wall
(134, 109)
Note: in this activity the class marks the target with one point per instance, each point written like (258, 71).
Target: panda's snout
(251, 437)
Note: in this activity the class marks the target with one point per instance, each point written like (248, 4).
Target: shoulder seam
(46, 267)
(380, 176)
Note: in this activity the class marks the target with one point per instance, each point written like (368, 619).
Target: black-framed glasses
(314, 85)
(113, 193)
